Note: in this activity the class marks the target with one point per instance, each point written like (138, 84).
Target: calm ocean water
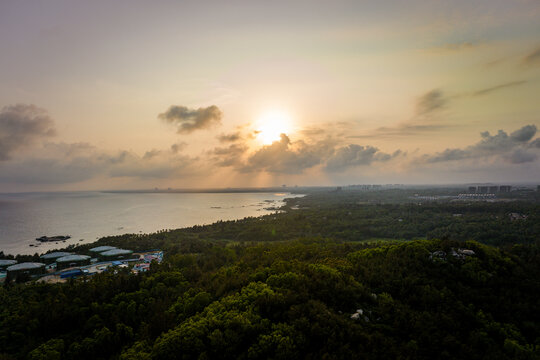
(91, 215)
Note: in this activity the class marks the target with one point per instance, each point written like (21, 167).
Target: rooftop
(6, 262)
(73, 258)
(102, 248)
(116, 252)
(54, 255)
(25, 266)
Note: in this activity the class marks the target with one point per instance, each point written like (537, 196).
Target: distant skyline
(135, 94)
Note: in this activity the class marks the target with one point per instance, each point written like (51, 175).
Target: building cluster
(59, 265)
(371, 186)
(455, 253)
(517, 216)
(491, 189)
(476, 196)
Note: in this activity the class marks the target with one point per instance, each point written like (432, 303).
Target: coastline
(143, 213)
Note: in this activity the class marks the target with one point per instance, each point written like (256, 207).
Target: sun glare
(271, 125)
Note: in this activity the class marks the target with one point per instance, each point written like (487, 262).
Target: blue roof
(73, 271)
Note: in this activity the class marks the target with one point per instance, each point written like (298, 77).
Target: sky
(197, 94)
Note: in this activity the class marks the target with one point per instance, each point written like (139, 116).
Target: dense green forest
(339, 277)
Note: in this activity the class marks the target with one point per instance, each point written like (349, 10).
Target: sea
(88, 216)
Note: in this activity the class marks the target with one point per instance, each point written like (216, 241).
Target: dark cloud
(22, 125)
(356, 155)
(118, 158)
(447, 155)
(188, 120)
(151, 154)
(498, 87)
(56, 163)
(224, 138)
(62, 163)
(284, 156)
(48, 171)
(533, 58)
(521, 156)
(229, 156)
(175, 148)
(535, 144)
(430, 102)
(288, 157)
(511, 148)
(524, 134)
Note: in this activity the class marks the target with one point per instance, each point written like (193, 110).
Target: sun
(271, 125)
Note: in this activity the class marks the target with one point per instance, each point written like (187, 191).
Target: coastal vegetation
(330, 277)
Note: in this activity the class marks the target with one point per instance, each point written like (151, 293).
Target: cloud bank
(295, 157)
(238, 155)
(357, 155)
(22, 125)
(286, 157)
(514, 148)
(63, 163)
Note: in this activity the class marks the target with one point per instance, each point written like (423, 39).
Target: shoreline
(265, 207)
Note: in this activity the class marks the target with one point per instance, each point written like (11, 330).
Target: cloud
(428, 116)
(284, 156)
(55, 163)
(403, 129)
(533, 58)
(524, 134)
(156, 167)
(535, 144)
(314, 131)
(176, 148)
(47, 171)
(455, 47)
(356, 155)
(514, 148)
(521, 156)
(69, 149)
(224, 138)
(22, 125)
(64, 163)
(430, 102)
(294, 157)
(188, 120)
(425, 119)
(229, 156)
(498, 87)
(151, 154)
